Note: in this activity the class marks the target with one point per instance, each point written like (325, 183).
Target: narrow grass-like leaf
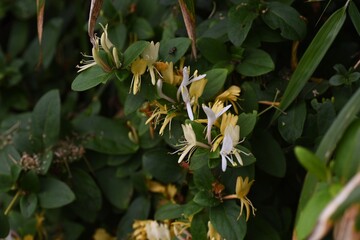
(312, 57)
(40, 5)
(355, 16)
(328, 144)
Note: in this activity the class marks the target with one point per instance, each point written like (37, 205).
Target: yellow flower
(190, 143)
(102, 234)
(226, 120)
(212, 234)
(230, 95)
(180, 229)
(196, 90)
(241, 191)
(138, 68)
(150, 55)
(161, 110)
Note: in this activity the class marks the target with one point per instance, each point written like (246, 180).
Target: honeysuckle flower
(212, 115)
(226, 120)
(230, 95)
(157, 113)
(150, 55)
(159, 91)
(138, 68)
(187, 80)
(212, 234)
(180, 229)
(231, 139)
(97, 59)
(241, 191)
(102, 234)
(196, 90)
(150, 230)
(157, 231)
(190, 143)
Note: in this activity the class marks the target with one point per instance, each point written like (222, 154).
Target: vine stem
(13, 201)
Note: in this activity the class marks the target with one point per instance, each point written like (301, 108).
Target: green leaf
(90, 78)
(54, 193)
(169, 211)
(4, 225)
(30, 182)
(162, 165)
(329, 143)
(256, 62)
(203, 178)
(142, 28)
(269, 155)
(199, 159)
(134, 51)
(191, 208)
(28, 204)
(46, 118)
(291, 125)
(247, 123)
(206, 198)
(279, 15)
(117, 190)
(105, 135)
(311, 163)
(312, 57)
(216, 78)
(346, 163)
(171, 50)
(308, 217)
(240, 19)
(6, 182)
(259, 228)
(225, 220)
(354, 16)
(198, 227)
(138, 210)
(213, 50)
(88, 195)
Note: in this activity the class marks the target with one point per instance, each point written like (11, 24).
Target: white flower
(187, 80)
(156, 231)
(212, 114)
(231, 139)
(190, 143)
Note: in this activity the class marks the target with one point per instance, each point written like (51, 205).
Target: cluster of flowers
(179, 96)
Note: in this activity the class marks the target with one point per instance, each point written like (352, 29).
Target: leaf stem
(13, 201)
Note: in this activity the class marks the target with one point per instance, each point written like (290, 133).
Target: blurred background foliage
(103, 182)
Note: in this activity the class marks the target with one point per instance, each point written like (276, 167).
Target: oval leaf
(291, 124)
(216, 78)
(172, 50)
(311, 163)
(46, 118)
(162, 165)
(269, 155)
(256, 62)
(28, 204)
(134, 51)
(54, 193)
(90, 78)
(225, 220)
